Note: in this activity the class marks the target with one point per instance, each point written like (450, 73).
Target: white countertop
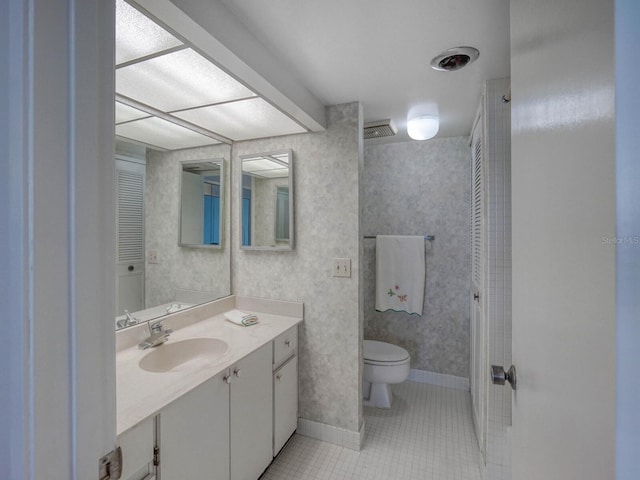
(141, 394)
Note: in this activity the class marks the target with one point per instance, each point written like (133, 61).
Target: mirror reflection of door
(201, 198)
(130, 184)
(211, 211)
(282, 214)
(247, 211)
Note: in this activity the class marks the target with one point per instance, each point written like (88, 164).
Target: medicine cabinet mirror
(267, 201)
(201, 198)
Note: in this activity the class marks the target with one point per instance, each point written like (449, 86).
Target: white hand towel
(400, 273)
(241, 318)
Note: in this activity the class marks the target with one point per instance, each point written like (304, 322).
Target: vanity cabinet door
(251, 413)
(194, 434)
(285, 403)
(137, 450)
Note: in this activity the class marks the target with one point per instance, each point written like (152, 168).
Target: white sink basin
(170, 356)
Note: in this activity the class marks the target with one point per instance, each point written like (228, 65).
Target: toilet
(384, 364)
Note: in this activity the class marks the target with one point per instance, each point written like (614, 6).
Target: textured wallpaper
(198, 269)
(327, 205)
(422, 188)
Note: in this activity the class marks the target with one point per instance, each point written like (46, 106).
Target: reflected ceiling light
(423, 127)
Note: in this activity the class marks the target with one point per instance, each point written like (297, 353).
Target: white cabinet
(137, 447)
(228, 428)
(285, 387)
(285, 403)
(251, 411)
(194, 433)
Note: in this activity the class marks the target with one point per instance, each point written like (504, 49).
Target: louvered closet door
(130, 179)
(478, 315)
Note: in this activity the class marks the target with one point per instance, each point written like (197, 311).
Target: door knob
(499, 376)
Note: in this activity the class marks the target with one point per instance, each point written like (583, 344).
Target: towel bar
(426, 237)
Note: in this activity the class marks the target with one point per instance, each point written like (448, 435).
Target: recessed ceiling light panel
(454, 59)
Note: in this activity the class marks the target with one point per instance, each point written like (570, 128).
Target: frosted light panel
(262, 167)
(137, 35)
(178, 80)
(125, 113)
(163, 134)
(243, 120)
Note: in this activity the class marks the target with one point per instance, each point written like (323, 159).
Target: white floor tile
(427, 434)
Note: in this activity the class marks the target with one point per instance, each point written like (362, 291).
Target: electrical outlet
(153, 256)
(342, 267)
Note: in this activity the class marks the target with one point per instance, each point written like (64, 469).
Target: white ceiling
(300, 55)
(378, 52)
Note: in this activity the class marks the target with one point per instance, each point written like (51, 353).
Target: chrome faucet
(158, 336)
(128, 321)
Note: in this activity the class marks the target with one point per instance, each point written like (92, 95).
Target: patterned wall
(422, 188)
(327, 206)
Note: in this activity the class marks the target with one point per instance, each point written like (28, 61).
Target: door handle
(476, 296)
(499, 376)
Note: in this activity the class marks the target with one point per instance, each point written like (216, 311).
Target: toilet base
(377, 395)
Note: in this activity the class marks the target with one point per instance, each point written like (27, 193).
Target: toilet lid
(384, 352)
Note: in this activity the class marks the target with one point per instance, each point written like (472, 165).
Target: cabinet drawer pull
(287, 342)
(227, 379)
(279, 376)
(236, 372)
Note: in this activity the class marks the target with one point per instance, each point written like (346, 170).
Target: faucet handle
(157, 327)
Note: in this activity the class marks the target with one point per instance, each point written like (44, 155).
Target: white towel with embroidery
(241, 318)
(400, 273)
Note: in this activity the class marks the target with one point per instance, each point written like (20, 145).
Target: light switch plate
(342, 267)
(153, 256)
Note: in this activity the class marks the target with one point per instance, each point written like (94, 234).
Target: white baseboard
(329, 433)
(440, 379)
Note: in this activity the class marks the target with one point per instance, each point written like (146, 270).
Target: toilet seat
(384, 354)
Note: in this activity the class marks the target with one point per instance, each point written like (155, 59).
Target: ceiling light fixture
(423, 127)
(454, 59)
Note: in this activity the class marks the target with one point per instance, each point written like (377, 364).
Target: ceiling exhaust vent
(379, 129)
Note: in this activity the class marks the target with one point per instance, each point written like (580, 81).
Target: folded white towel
(400, 273)
(241, 318)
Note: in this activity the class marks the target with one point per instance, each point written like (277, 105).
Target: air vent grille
(379, 129)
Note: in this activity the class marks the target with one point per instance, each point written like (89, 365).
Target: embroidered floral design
(401, 296)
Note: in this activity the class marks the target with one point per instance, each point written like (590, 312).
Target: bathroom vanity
(217, 400)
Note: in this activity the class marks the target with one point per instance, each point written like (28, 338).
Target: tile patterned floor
(426, 435)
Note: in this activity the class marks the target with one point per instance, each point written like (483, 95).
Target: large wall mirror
(158, 270)
(201, 195)
(266, 204)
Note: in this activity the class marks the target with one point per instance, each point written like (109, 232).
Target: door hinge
(156, 456)
(110, 466)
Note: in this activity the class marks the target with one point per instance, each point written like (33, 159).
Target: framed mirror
(201, 197)
(266, 203)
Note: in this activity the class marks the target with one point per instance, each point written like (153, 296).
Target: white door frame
(57, 250)
(627, 38)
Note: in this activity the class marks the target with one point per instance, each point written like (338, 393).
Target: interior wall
(423, 188)
(199, 269)
(327, 208)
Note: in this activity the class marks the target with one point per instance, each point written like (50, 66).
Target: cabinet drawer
(284, 346)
